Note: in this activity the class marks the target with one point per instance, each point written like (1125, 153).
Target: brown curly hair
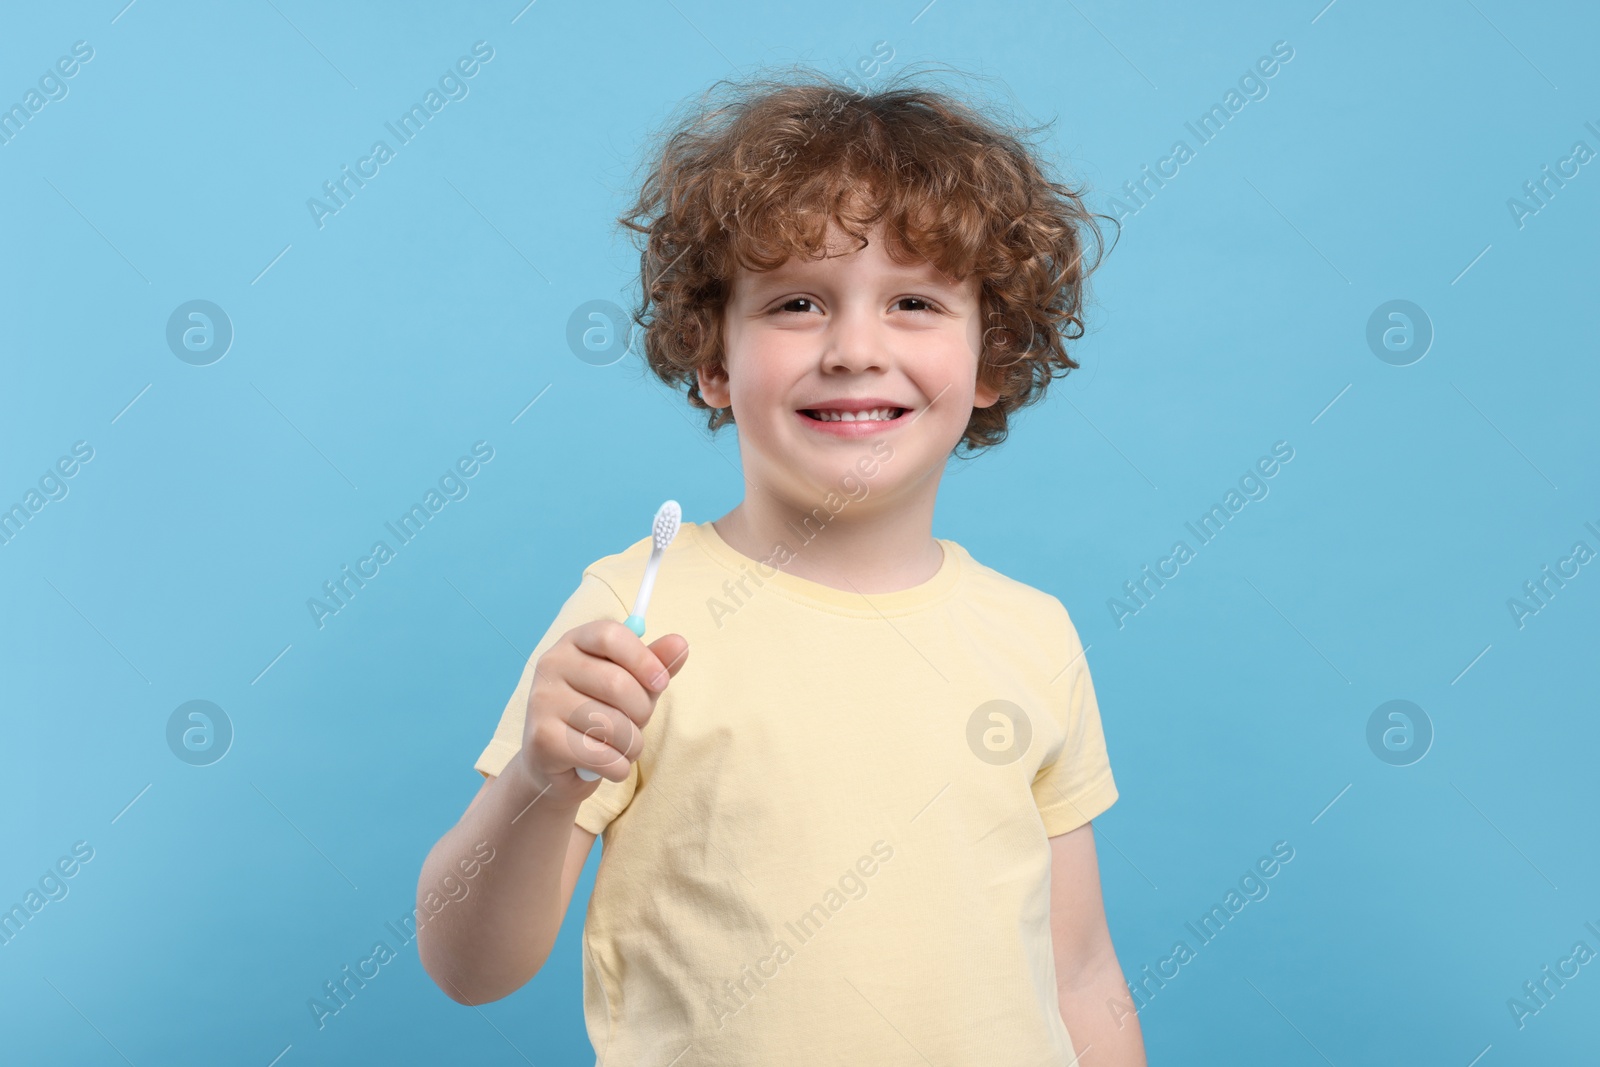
(756, 178)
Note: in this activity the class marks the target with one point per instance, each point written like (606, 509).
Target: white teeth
(876, 414)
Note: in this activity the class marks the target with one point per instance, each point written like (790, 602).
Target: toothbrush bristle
(665, 528)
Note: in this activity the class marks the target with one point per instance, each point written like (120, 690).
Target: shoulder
(620, 570)
(1017, 600)
(688, 560)
(621, 561)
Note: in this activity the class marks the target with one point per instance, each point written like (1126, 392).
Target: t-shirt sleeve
(1077, 785)
(593, 599)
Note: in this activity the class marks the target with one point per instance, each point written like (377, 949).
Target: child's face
(852, 326)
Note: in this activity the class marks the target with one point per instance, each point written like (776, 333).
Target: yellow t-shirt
(833, 847)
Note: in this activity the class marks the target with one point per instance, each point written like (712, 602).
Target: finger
(590, 750)
(601, 723)
(609, 639)
(605, 682)
(672, 650)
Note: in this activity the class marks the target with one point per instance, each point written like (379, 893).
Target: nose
(856, 342)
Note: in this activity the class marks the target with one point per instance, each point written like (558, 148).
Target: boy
(855, 829)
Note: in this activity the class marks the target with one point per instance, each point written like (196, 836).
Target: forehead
(847, 261)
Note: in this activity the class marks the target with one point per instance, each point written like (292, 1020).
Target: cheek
(958, 369)
(749, 380)
(761, 370)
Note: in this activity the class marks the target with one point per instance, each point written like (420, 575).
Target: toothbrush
(662, 531)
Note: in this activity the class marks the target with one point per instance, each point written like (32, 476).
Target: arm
(1088, 977)
(489, 943)
(590, 694)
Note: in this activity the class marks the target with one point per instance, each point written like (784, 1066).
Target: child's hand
(590, 700)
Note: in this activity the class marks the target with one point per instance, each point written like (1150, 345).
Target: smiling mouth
(879, 415)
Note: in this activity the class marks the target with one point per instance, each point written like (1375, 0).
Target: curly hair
(756, 178)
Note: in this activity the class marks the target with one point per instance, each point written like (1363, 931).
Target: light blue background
(431, 310)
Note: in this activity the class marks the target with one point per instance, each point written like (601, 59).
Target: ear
(713, 386)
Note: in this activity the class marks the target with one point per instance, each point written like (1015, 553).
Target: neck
(881, 550)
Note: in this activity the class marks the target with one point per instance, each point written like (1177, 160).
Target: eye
(926, 305)
(789, 305)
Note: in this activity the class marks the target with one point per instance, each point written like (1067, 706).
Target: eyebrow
(788, 274)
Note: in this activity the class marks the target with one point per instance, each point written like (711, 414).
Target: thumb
(672, 650)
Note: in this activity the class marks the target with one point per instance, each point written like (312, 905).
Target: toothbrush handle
(634, 622)
(645, 586)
